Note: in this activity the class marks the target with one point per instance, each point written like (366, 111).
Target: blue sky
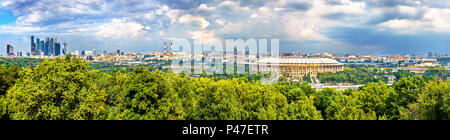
(6, 16)
(309, 26)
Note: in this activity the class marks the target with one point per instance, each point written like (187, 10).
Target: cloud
(187, 19)
(434, 19)
(294, 21)
(119, 28)
(233, 6)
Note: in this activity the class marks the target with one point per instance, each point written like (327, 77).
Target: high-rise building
(54, 46)
(38, 43)
(57, 49)
(41, 46)
(51, 48)
(64, 48)
(33, 45)
(9, 50)
(46, 46)
(430, 54)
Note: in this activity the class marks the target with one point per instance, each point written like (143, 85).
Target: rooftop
(298, 61)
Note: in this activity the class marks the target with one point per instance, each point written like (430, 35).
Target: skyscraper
(37, 47)
(46, 46)
(41, 46)
(51, 48)
(57, 49)
(9, 49)
(54, 47)
(64, 48)
(33, 46)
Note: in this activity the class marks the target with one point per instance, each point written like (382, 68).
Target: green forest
(69, 89)
(363, 75)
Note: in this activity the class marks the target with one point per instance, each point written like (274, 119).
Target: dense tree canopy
(55, 90)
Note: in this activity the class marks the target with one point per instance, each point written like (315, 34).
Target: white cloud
(434, 19)
(204, 7)
(407, 10)
(206, 36)
(187, 19)
(234, 6)
(6, 3)
(301, 29)
(29, 19)
(438, 18)
(18, 29)
(119, 28)
(220, 22)
(405, 26)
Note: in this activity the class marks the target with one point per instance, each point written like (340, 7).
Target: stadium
(298, 67)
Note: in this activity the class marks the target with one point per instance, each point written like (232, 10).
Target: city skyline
(333, 26)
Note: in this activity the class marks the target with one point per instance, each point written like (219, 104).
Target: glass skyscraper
(51, 48)
(46, 46)
(33, 45)
(9, 49)
(37, 44)
(41, 46)
(57, 49)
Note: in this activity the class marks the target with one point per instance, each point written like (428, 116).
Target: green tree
(433, 103)
(304, 109)
(63, 89)
(346, 108)
(8, 77)
(373, 97)
(407, 91)
(148, 96)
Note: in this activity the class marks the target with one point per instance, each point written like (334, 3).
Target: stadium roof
(298, 61)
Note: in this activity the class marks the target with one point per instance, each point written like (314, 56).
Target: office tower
(64, 48)
(51, 48)
(118, 52)
(33, 46)
(46, 46)
(430, 54)
(37, 45)
(41, 46)
(9, 50)
(57, 49)
(54, 46)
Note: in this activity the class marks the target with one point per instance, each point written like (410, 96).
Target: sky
(374, 27)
